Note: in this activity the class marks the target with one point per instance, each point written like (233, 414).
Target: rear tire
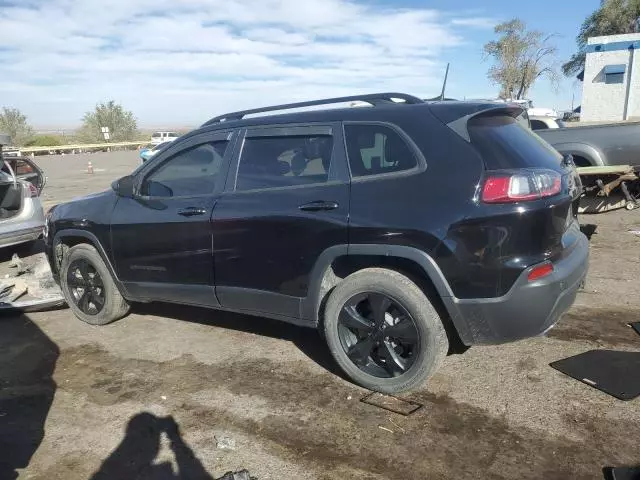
(99, 301)
(407, 301)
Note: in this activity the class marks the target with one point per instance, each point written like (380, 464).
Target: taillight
(520, 186)
(33, 190)
(540, 271)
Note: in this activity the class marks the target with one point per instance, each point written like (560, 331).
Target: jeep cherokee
(397, 230)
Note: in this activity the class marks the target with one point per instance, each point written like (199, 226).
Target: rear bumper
(17, 237)
(529, 308)
(24, 227)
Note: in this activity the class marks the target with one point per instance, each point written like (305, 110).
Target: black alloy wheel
(378, 334)
(86, 287)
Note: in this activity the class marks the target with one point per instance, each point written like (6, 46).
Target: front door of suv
(162, 238)
(287, 201)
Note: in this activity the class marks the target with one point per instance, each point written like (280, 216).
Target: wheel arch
(582, 150)
(68, 238)
(337, 262)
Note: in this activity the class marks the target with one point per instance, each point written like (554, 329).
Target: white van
(161, 137)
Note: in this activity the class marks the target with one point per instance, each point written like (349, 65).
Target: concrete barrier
(81, 147)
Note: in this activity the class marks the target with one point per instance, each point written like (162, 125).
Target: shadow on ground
(135, 457)
(308, 340)
(23, 250)
(27, 361)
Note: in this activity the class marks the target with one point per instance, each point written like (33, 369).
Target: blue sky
(178, 62)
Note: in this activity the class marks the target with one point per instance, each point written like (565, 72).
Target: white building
(611, 86)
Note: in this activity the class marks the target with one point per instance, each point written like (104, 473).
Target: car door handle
(192, 211)
(318, 206)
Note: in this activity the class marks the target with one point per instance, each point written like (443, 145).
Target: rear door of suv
(286, 201)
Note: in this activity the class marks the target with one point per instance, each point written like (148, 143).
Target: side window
(377, 149)
(191, 172)
(538, 125)
(272, 162)
(22, 168)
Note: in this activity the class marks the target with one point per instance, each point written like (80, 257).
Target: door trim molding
(258, 301)
(196, 295)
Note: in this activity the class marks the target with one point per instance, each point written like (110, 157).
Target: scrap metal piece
(391, 404)
(13, 290)
(35, 290)
(622, 473)
(614, 372)
(241, 475)
(16, 262)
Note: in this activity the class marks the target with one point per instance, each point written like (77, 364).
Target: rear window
(504, 143)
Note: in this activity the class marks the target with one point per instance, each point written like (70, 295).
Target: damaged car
(21, 212)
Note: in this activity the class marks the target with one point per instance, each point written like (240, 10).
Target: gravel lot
(271, 395)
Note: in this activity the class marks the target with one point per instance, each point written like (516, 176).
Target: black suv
(397, 230)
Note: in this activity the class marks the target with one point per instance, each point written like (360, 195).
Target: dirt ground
(175, 392)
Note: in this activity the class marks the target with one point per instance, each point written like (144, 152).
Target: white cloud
(476, 22)
(180, 62)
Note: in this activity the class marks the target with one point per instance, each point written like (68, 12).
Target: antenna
(444, 85)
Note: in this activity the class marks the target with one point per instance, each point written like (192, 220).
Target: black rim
(378, 335)
(86, 287)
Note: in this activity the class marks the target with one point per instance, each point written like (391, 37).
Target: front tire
(383, 331)
(88, 287)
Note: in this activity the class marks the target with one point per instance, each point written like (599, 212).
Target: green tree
(45, 141)
(14, 124)
(520, 57)
(121, 123)
(614, 17)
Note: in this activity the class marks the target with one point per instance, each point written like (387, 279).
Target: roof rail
(373, 99)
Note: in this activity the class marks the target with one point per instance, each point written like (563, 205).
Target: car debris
(240, 475)
(616, 373)
(31, 287)
(621, 473)
(11, 291)
(609, 188)
(21, 212)
(392, 404)
(224, 442)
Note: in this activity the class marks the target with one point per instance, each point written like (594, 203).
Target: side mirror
(123, 187)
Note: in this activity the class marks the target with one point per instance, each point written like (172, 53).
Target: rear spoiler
(456, 115)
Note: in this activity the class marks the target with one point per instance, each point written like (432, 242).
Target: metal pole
(444, 85)
(627, 97)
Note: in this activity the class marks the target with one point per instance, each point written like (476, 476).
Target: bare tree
(14, 124)
(121, 123)
(520, 57)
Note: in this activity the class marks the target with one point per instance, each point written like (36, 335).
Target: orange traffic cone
(89, 167)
